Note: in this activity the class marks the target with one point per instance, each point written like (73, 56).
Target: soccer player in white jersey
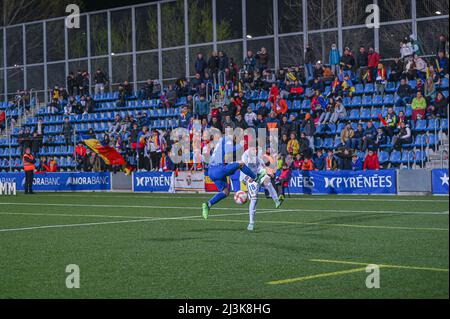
(252, 158)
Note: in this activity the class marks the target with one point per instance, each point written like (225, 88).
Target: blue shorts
(219, 173)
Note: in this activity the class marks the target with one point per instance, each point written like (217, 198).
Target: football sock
(272, 192)
(247, 171)
(252, 210)
(216, 198)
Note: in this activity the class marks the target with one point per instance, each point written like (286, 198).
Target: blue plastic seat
(354, 115)
(367, 100)
(396, 157)
(433, 125)
(420, 126)
(383, 157)
(369, 88)
(377, 100)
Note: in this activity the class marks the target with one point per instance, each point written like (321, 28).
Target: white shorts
(253, 187)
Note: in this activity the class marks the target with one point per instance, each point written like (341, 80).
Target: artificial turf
(158, 246)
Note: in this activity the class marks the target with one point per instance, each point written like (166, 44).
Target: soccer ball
(240, 197)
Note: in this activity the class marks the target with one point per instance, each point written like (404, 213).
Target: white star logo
(444, 179)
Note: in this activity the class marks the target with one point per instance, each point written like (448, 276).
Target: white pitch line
(297, 198)
(124, 221)
(228, 208)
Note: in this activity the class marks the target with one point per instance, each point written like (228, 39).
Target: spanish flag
(106, 152)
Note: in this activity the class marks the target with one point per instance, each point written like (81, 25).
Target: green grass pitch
(158, 246)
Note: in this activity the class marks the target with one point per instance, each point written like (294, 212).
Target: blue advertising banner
(72, 181)
(439, 181)
(339, 182)
(152, 181)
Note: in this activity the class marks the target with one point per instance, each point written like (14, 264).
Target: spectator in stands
(147, 90)
(240, 122)
(344, 158)
(442, 45)
(2, 121)
(100, 80)
(330, 161)
(419, 105)
(441, 64)
(280, 107)
(319, 161)
(329, 110)
(439, 107)
(371, 161)
(200, 65)
(362, 61)
(80, 155)
(297, 162)
(373, 61)
(347, 62)
(71, 84)
(201, 108)
(296, 90)
(357, 139)
(309, 60)
(249, 62)
(396, 70)
(223, 62)
(340, 113)
(293, 146)
(391, 121)
(403, 137)
(52, 166)
(282, 145)
(347, 134)
(369, 136)
(404, 92)
(250, 117)
(380, 139)
(115, 127)
(308, 128)
(213, 65)
(36, 143)
(356, 164)
(429, 91)
(185, 117)
(334, 59)
(308, 164)
(262, 59)
(304, 146)
(67, 131)
(215, 123)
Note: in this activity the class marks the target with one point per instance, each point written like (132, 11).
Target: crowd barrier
(392, 182)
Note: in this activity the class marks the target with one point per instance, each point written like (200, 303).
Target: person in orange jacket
(29, 168)
(308, 164)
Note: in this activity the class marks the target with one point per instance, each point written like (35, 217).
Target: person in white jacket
(250, 117)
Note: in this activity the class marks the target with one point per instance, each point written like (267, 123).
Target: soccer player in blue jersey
(219, 169)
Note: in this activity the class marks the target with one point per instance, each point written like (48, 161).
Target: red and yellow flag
(108, 153)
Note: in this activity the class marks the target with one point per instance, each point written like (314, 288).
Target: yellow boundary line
(327, 274)
(379, 265)
(348, 271)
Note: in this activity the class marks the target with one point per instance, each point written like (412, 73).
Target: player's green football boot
(205, 210)
(279, 201)
(261, 176)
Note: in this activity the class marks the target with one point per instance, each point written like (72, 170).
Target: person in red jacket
(274, 92)
(373, 60)
(371, 161)
(281, 107)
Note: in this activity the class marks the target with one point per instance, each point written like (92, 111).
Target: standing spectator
(100, 80)
(373, 61)
(213, 65)
(309, 129)
(334, 59)
(442, 45)
(347, 62)
(310, 60)
(201, 108)
(282, 181)
(249, 62)
(223, 62)
(71, 83)
(371, 161)
(421, 67)
(362, 60)
(29, 168)
(419, 105)
(396, 70)
(200, 65)
(67, 131)
(369, 136)
(430, 91)
(262, 58)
